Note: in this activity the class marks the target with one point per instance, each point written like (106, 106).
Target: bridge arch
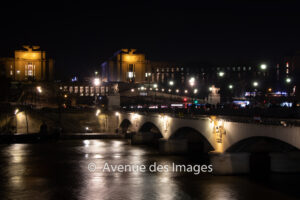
(149, 127)
(125, 126)
(197, 142)
(261, 144)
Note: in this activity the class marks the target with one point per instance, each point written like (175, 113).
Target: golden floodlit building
(28, 64)
(126, 65)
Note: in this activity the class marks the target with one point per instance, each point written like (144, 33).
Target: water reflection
(60, 171)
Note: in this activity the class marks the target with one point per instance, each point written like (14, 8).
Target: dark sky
(79, 36)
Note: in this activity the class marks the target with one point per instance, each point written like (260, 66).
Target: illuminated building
(126, 65)
(29, 64)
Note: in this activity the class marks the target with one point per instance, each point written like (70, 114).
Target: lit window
(30, 69)
(130, 74)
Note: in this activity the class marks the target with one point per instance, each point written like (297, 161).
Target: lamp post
(148, 76)
(192, 84)
(288, 80)
(171, 83)
(155, 87)
(263, 67)
(96, 84)
(117, 116)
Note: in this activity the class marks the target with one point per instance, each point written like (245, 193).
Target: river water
(73, 169)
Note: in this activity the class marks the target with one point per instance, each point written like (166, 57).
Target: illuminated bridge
(230, 144)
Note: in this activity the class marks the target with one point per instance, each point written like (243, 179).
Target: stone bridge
(225, 141)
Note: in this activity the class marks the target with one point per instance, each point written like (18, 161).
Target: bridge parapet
(218, 131)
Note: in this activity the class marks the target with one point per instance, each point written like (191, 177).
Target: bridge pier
(285, 162)
(229, 163)
(142, 138)
(173, 146)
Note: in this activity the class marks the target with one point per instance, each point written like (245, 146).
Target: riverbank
(36, 137)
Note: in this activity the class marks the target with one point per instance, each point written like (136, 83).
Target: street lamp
(39, 89)
(16, 111)
(288, 80)
(263, 66)
(98, 112)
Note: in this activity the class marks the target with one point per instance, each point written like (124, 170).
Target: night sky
(79, 36)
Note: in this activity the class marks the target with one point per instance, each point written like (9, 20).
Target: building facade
(126, 65)
(233, 80)
(30, 64)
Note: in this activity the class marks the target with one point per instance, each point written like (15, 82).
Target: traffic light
(196, 101)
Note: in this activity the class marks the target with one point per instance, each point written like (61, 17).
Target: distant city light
(117, 114)
(221, 74)
(210, 88)
(195, 91)
(132, 90)
(65, 96)
(155, 85)
(230, 86)
(148, 74)
(177, 90)
(185, 91)
(74, 79)
(288, 80)
(171, 83)
(97, 81)
(270, 90)
(255, 83)
(263, 66)
(192, 81)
